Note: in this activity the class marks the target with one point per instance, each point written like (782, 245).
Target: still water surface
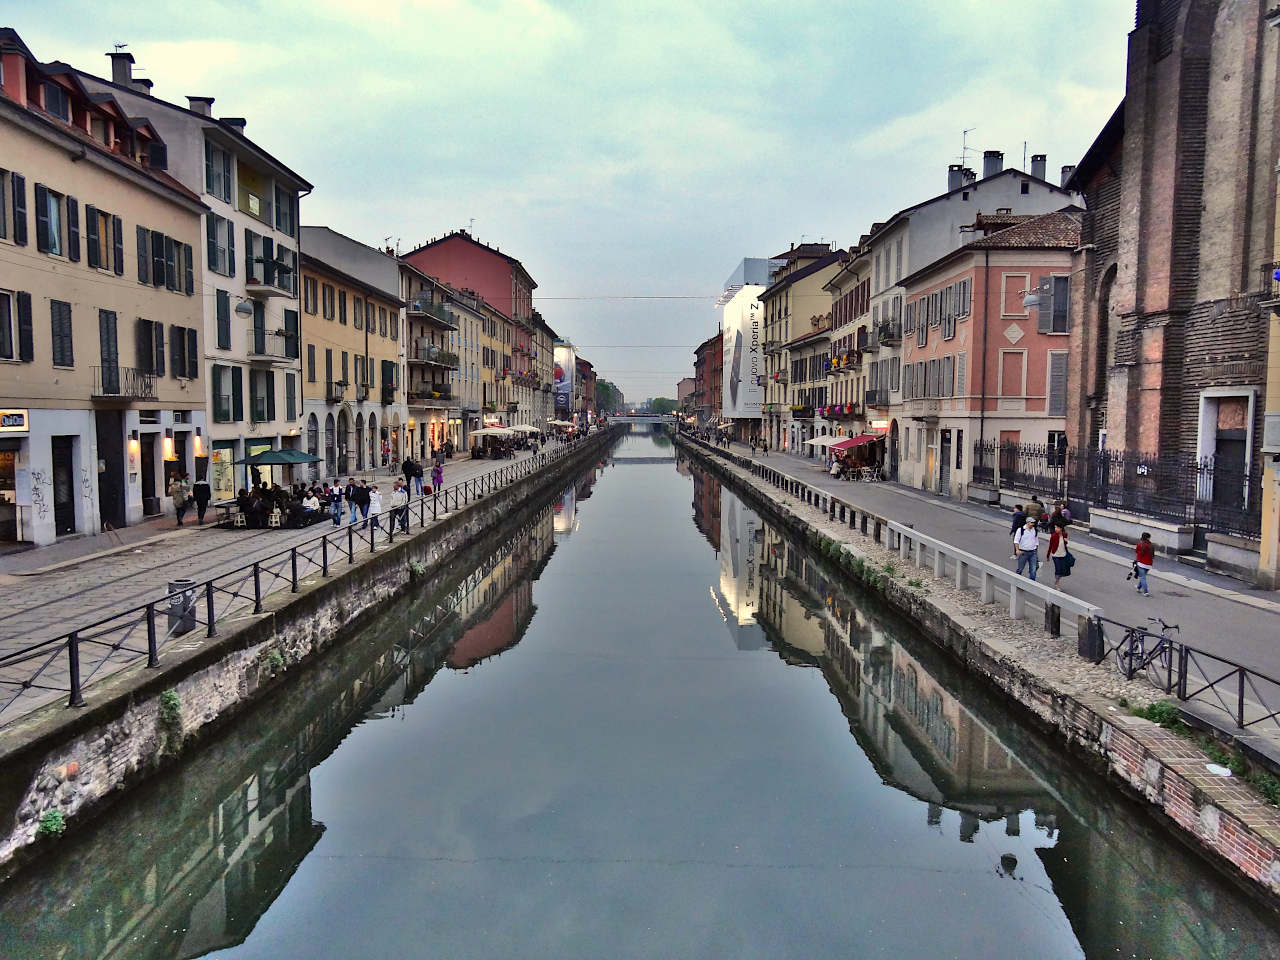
(620, 733)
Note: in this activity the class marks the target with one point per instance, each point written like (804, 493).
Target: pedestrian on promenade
(1062, 558)
(1026, 543)
(349, 494)
(335, 502)
(373, 508)
(417, 477)
(764, 447)
(1060, 515)
(407, 469)
(363, 497)
(180, 491)
(202, 494)
(400, 507)
(1144, 558)
(437, 475)
(448, 452)
(1035, 509)
(1019, 518)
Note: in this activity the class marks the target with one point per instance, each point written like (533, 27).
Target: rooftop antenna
(964, 145)
(1024, 155)
(471, 224)
(119, 46)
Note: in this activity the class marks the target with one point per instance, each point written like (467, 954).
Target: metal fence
(66, 664)
(1220, 496)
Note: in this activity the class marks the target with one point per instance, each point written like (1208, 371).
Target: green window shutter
(60, 323)
(42, 218)
(224, 320)
(177, 352)
(291, 333)
(231, 249)
(170, 263)
(237, 395)
(19, 185)
(73, 230)
(117, 246)
(146, 349)
(157, 335)
(1061, 304)
(188, 270)
(208, 167)
(211, 238)
(226, 176)
(26, 338)
(249, 273)
(270, 386)
(157, 258)
(259, 327)
(94, 257)
(290, 403)
(1057, 384)
(342, 306)
(268, 261)
(144, 256)
(311, 362)
(193, 354)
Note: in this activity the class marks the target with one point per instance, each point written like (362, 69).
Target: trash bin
(182, 606)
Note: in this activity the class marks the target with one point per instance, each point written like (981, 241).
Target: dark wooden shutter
(226, 176)
(94, 257)
(171, 263)
(1044, 311)
(237, 395)
(1061, 304)
(26, 340)
(73, 230)
(269, 379)
(145, 345)
(259, 327)
(188, 270)
(224, 320)
(144, 256)
(311, 362)
(19, 185)
(157, 359)
(291, 334)
(60, 322)
(248, 255)
(231, 249)
(208, 167)
(157, 258)
(42, 218)
(268, 261)
(117, 245)
(193, 354)
(211, 238)
(177, 351)
(1057, 384)
(110, 347)
(290, 397)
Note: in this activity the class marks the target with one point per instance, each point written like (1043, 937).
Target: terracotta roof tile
(1059, 230)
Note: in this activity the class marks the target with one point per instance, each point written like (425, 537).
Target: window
(292, 333)
(48, 221)
(286, 204)
(56, 102)
(151, 353)
(962, 306)
(224, 319)
(342, 306)
(922, 326)
(1057, 387)
(357, 313)
(60, 327)
(382, 321)
(287, 269)
(899, 258)
(290, 399)
(311, 363)
(217, 172)
(18, 191)
(961, 390)
(1026, 188)
(326, 300)
(184, 353)
(395, 326)
(309, 295)
(220, 236)
(1057, 448)
(7, 345)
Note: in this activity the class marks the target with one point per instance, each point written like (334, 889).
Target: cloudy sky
(622, 150)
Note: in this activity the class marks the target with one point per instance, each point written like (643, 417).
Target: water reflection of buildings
(706, 506)
(566, 508)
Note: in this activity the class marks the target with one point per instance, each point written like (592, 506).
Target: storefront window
(222, 472)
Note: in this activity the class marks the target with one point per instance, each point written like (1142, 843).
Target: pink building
(467, 264)
(983, 361)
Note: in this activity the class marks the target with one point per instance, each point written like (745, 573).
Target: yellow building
(352, 369)
(102, 394)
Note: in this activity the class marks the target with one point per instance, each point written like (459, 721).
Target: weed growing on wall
(52, 824)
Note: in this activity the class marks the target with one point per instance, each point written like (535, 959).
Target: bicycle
(1132, 655)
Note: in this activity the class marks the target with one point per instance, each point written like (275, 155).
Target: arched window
(330, 451)
(313, 443)
(359, 441)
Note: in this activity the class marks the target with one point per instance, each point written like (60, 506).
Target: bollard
(182, 606)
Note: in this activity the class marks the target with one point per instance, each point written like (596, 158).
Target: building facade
(850, 290)
(101, 324)
(432, 368)
(708, 377)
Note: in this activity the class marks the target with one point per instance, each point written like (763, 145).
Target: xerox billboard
(743, 359)
(566, 364)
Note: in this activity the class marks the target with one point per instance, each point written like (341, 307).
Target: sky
(630, 154)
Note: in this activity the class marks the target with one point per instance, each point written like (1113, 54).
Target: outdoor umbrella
(274, 458)
(848, 443)
(823, 441)
(493, 432)
(526, 428)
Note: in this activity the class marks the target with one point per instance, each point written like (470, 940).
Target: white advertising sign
(743, 358)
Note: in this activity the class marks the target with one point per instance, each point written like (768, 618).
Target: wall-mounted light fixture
(133, 439)
(168, 444)
(199, 443)
(244, 309)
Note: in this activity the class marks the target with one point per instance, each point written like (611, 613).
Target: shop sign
(14, 421)
(879, 424)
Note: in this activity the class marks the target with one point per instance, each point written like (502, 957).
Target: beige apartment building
(102, 393)
(430, 364)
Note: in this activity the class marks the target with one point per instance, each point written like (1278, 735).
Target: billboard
(565, 365)
(742, 391)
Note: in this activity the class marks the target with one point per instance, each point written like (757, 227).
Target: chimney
(955, 177)
(969, 175)
(1039, 165)
(992, 163)
(1067, 171)
(201, 105)
(121, 68)
(143, 86)
(235, 123)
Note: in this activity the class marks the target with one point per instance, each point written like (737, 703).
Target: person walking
(437, 475)
(360, 495)
(180, 491)
(202, 494)
(417, 477)
(373, 508)
(349, 494)
(407, 469)
(1019, 518)
(1144, 558)
(1062, 558)
(400, 507)
(335, 502)
(1035, 509)
(1026, 544)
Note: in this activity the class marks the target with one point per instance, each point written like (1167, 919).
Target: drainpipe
(986, 308)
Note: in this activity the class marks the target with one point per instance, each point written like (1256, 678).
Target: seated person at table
(311, 503)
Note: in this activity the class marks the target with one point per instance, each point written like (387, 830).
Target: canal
(640, 722)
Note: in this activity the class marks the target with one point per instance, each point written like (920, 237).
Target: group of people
(1029, 520)
(186, 494)
(414, 478)
(298, 504)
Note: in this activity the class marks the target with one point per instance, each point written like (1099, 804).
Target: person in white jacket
(1027, 544)
(375, 506)
(400, 506)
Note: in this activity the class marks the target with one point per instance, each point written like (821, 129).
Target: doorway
(110, 429)
(64, 488)
(944, 463)
(150, 502)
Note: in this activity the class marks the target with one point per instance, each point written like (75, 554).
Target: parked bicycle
(1132, 654)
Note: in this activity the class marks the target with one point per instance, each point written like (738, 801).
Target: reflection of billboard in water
(566, 363)
(741, 532)
(566, 508)
(741, 392)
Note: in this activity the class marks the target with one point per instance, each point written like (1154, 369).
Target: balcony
(439, 395)
(362, 392)
(388, 395)
(1270, 286)
(890, 333)
(268, 278)
(424, 351)
(267, 347)
(513, 407)
(334, 390)
(425, 309)
(801, 412)
(925, 408)
(877, 397)
(774, 346)
(123, 383)
(844, 411)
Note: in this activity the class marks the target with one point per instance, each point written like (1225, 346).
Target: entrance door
(1229, 468)
(110, 431)
(150, 502)
(64, 488)
(944, 464)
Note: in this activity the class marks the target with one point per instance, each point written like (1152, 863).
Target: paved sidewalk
(1216, 613)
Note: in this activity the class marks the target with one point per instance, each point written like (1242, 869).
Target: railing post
(435, 498)
(257, 588)
(940, 564)
(293, 569)
(422, 512)
(988, 587)
(211, 630)
(73, 667)
(962, 575)
(1183, 662)
(153, 654)
(1053, 619)
(371, 546)
(351, 543)
(1240, 699)
(1017, 602)
(324, 555)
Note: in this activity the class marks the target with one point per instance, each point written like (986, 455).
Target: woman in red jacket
(1144, 553)
(1059, 552)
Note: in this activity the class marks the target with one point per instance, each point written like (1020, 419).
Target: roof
(804, 250)
(310, 260)
(709, 342)
(823, 328)
(484, 246)
(835, 256)
(1100, 151)
(1048, 231)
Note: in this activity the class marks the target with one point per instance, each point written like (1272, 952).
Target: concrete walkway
(1218, 614)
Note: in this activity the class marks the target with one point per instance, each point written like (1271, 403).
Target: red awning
(851, 442)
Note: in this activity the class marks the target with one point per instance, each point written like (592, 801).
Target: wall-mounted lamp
(133, 438)
(168, 444)
(198, 443)
(244, 309)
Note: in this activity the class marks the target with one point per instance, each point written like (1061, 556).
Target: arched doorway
(313, 444)
(892, 464)
(344, 441)
(330, 452)
(359, 441)
(373, 441)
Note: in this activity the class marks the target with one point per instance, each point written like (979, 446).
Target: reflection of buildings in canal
(682, 466)
(792, 624)
(586, 483)
(495, 604)
(565, 511)
(738, 592)
(706, 507)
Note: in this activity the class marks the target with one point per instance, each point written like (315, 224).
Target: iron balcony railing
(62, 666)
(431, 392)
(890, 333)
(276, 347)
(425, 308)
(423, 352)
(123, 383)
(334, 390)
(1268, 284)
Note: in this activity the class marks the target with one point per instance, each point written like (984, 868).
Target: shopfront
(222, 471)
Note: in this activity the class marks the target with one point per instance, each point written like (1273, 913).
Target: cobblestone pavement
(1216, 613)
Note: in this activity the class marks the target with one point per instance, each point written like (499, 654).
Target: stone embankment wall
(1222, 818)
(75, 761)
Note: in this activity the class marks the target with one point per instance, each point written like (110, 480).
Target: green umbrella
(272, 458)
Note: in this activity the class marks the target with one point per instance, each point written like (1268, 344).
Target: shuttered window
(26, 337)
(144, 255)
(18, 185)
(961, 384)
(188, 270)
(60, 331)
(290, 397)
(73, 230)
(157, 258)
(93, 236)
(1057, 383)
(291, 334)
(193, 354)
(237, 394)
(311, 363)
(224, 320)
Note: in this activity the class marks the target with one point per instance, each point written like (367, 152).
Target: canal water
(639, 723)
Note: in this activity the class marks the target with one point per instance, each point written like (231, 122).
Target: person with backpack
(1063, 559)
(1035, 510)
(1026, 546)
(1144, 558)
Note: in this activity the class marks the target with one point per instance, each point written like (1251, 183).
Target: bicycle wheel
(1158, 666)
(1128, 652)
